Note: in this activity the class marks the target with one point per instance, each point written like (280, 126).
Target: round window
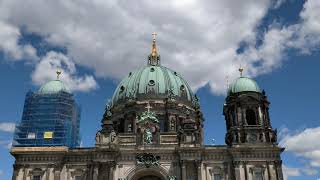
(151, 69)
(151, 83)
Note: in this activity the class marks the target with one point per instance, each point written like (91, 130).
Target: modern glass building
(51, 117)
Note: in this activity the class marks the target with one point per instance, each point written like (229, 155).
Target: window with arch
(77, 178)
(36, 177)
(217, 177)
(251, 117)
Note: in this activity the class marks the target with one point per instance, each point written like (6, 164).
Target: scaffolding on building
(48, 120)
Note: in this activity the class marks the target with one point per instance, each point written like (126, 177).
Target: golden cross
(241, 71)
(154, 34)
(58, 73)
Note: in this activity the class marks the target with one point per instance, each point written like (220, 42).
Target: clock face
(253, 137)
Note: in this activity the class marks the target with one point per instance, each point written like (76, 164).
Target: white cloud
(7, 127)
(6, 143)
(45, 71)
(199, 39)
(9, 36)
(288, 171)
(1, 172)
(304, 144)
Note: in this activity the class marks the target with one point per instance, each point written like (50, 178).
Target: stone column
(15, 174)
(47, 173)
(226, 173)
(111, 172)
(268, 170)
(240, 170)
(95, 172)
(183, 171)
(57, 174)
(25, 173)
(199, 164)
(68, 174)
(278, 169)
(245, 170)
(19, 173)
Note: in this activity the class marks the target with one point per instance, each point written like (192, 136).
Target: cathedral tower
(246, 112)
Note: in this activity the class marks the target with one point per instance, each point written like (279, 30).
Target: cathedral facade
(152, 129)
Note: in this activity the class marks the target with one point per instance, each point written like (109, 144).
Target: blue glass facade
(49, 119)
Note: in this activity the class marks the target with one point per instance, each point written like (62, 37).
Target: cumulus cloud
(199, 39)
(303, 36)
(45, 71)
(288, 171)
(304, 144)
(293, 172)
(6, 144)
(9, 36)
(7, 127)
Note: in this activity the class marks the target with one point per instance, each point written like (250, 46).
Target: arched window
(121, 125)
(251, 117)
(233, 116)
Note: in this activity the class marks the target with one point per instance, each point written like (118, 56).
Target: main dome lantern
(153, 82)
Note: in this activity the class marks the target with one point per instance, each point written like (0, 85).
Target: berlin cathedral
(152, 129)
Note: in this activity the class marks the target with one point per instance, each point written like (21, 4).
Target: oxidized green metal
(54, 86)
(148, 115)
(157, 80)
(244, 84)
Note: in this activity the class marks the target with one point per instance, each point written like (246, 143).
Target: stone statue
(113, 136)
(172, 124)
(98, 137)
(147, 136)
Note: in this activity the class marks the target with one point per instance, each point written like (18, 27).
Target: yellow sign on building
(48, 135)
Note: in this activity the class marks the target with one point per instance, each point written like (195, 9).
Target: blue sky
(96, 44)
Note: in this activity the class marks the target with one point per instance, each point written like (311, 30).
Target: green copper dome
(153, 81)
(243, 84)
(54, 86)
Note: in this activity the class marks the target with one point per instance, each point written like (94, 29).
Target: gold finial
(58, 73)
(154, 47)
(241, 70)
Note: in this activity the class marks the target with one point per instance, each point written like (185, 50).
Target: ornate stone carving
(113, 136)
(98, 137)
(148, 159)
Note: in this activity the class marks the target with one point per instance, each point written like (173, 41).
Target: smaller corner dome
(244, 84)
(53, 86)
